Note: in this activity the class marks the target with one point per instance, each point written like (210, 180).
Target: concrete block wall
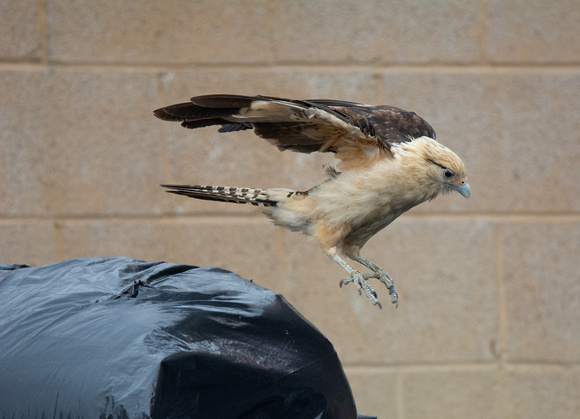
(489, 318)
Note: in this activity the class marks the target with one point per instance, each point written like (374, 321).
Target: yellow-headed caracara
(389, 162)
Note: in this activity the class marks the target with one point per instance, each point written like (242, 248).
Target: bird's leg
(356, 277)
(380, 274)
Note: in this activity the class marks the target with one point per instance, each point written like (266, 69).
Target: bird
(388, 162)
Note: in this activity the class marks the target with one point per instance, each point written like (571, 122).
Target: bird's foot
(360, 281)
(384, 277)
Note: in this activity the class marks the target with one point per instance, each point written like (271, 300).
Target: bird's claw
(384, 277)
(361, 284)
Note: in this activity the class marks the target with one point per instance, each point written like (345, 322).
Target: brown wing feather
(387, 123)
(352, 130)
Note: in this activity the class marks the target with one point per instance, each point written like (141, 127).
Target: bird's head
(436, 168)
(446, 169)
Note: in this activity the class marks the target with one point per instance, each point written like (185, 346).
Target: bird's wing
(353, 131)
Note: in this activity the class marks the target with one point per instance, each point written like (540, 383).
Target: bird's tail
(258, 197)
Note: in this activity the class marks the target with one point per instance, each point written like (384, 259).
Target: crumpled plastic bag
(121, 338)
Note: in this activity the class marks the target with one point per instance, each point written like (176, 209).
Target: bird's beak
(464, 190)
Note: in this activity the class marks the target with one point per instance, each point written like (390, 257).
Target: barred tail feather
(258, 197)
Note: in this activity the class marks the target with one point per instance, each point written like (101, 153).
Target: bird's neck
(402, 182)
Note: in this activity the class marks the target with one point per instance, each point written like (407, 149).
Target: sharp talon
(394, 298)
(360, 280)
(345, 281)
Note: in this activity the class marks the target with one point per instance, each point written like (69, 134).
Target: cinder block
(299, 82)
(538, 392)
(375, 391)
(454, 392)
(534, 31)
(515, 130)
(79, 142)
(28, 242)
(168, 32)
(204, 156)
(542, 284)
(378, 32)
(248, 246)
(20, 35)
(445, 271)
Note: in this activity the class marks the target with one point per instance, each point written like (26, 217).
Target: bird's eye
(448, 173)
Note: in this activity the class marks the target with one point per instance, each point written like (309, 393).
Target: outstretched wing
(354, 131)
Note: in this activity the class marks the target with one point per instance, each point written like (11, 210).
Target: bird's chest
(364, 227)
(359, 208)
(367, 209)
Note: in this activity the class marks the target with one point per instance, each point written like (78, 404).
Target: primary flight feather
(389, 163)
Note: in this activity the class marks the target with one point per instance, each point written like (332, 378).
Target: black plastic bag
(121, 338)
